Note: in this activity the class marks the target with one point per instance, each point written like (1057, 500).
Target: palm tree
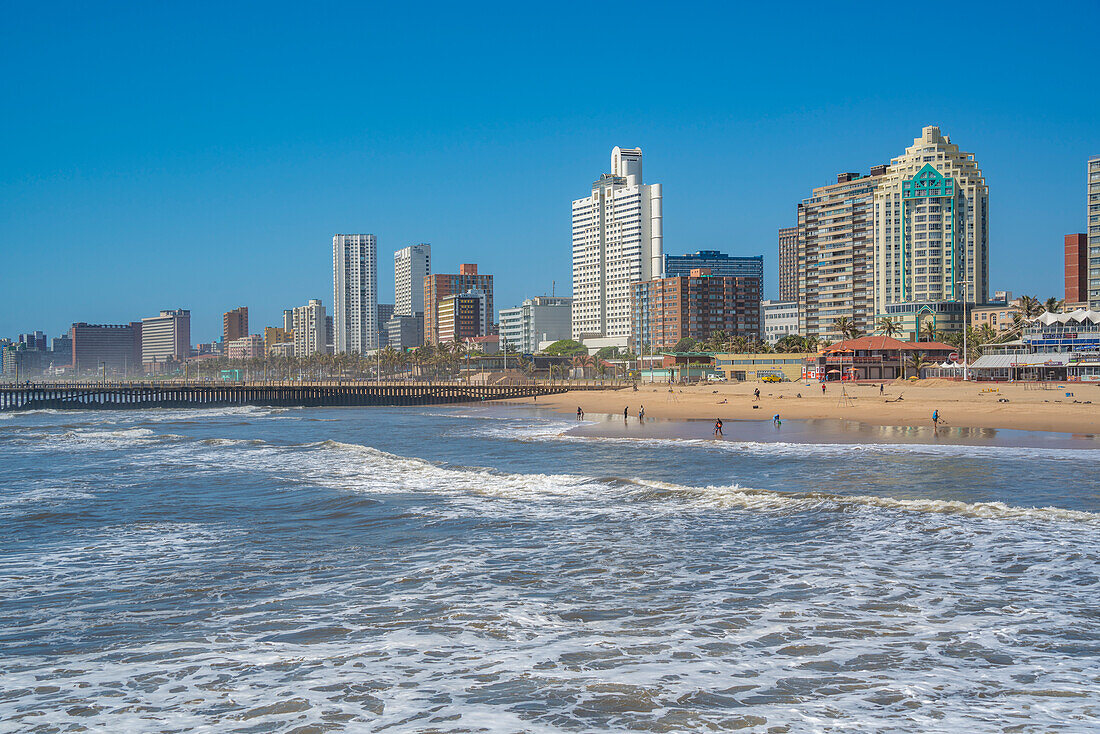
(889, 326)
(1030, 307)
(927, 332)
(845, 326)
(916, 363)
(1053, 305)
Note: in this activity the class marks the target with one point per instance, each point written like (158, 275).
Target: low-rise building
(780, 319)
(536, 320)
(247, 347)
(873, 358)
(1053, 346)
(740, 367)
(999, 317)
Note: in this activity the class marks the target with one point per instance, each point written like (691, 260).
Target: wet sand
(960, 405)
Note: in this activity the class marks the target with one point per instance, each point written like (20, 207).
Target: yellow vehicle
(772, 378)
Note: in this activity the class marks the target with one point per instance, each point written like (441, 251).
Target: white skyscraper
(410, 266)
(309, 329)
(355, 292)
(616, 241)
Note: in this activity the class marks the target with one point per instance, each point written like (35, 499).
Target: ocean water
(475, 569)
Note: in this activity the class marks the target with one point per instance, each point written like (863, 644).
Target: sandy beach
(969, 405)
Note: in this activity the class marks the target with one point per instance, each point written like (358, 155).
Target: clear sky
(201, 155)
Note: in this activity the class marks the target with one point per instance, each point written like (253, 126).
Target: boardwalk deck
(133, 395)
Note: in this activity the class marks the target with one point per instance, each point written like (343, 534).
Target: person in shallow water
(626, 412)
(718, 427)
(935, 418)
(775, 420)
(580, 413)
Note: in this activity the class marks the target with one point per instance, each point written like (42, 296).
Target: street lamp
(966, 325)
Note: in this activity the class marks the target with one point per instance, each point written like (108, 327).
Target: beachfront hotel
(931, 237)
(410, 266)
(355, 293)
(835, 253)
(617, 241)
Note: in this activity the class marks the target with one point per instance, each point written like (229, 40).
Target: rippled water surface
(462, 569)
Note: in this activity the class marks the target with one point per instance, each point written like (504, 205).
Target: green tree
(889, 326)
(566, 348)
(687, 344)
(916, 363)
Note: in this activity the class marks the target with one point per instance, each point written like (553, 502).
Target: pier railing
(306, 393)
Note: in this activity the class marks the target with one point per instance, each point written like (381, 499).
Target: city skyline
(154, 201)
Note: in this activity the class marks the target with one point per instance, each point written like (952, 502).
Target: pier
(136, 395)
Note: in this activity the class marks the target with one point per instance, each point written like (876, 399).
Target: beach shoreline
(1012, 406)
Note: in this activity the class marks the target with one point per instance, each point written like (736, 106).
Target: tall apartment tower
(355, 293)
(235, 324)
(166, 338)
(835, 251)
(931, 235)
(310, 329)
(788, 263)
(410, 266)
(1094, 232)
(617, 241)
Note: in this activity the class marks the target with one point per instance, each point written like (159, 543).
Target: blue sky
(202, 155)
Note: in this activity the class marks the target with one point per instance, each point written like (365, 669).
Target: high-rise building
(235, 324)
(410, 266)
(439, 286)
(1077, 271)
(1094, 232)
(788, 264)
(780, 319)
(310, 331)
(35, 341)
(617, 241)
(355, 293)
(462, 316)
(536, 320)
(667, 310)
(931, 235)
(385, 313)
(835, 250)
(111, 348)
(288, 319)
(61, 351)
(719, 263)
(165, 339)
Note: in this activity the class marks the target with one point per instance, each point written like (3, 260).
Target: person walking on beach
(641, 412)
(822, 388)
(935, 419)
(626, 412)
(756, 394)
(718, 427)
(882, 388)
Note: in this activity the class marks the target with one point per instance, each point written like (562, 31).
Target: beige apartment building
(931, 239)
(836, 255)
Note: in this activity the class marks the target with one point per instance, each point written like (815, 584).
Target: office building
(165, 339)
(780, 319)
(437, 287)
(385, 313)
(667, 310)
(247, 347)
(411, 265)
(1093, 213)
(788, 264)
(354, 293)
(35, 341)
(719, 263)
(536, 321)
(835, 249)
(235, 324)
(115, 349)
(462, 316)
(288, 319)
(310, 329)
(931, 237)
(1077, 271)
(405, 332)
(277, 335)
(617, 241)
